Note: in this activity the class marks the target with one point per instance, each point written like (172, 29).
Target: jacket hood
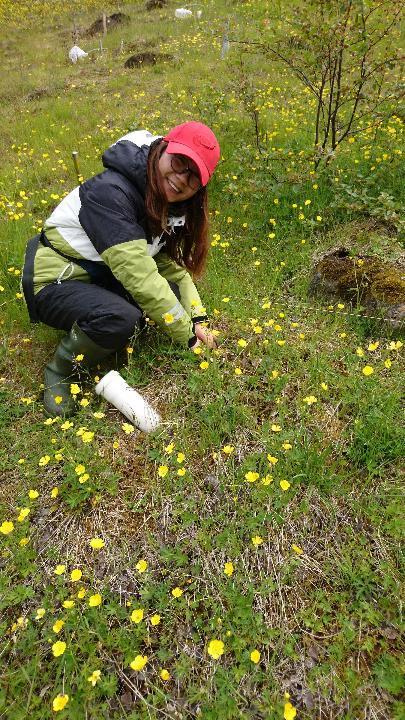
(129, 156)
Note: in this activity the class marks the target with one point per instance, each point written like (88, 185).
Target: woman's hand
(204, 336)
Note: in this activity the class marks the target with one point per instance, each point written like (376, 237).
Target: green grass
(319, 594)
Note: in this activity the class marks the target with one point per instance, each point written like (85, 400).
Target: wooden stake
(76, 164)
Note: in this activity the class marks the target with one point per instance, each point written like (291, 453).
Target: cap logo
(201, 140)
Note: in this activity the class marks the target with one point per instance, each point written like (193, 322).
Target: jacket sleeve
(138, 273)
(189, 296)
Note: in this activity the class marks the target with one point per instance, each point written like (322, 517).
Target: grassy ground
(264, 514)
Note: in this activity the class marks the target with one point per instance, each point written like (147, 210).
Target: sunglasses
(180, 166)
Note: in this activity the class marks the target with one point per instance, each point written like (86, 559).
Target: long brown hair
(188, 245)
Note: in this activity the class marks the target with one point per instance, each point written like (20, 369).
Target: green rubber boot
(61, 371)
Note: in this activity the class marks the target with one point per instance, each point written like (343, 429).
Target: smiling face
(176, 186)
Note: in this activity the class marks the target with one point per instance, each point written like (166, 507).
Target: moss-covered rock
(363, 280)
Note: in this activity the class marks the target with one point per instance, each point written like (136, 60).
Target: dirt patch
(146, 58)
(155, 4)
(37, 94)
(112, 22)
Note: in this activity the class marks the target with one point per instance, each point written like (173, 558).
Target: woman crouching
(123, 245)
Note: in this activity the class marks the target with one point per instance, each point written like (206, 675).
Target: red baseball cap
(196, 141)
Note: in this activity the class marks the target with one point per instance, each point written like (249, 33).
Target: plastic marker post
(182, 13)
(113, 388)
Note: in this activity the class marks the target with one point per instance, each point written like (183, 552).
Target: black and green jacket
(104, 221)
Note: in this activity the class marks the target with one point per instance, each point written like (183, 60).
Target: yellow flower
(33, 494)
(276, 428)
(155, 620)
(58, 648)
(242, 343)
(228, 569)
(297, 549)
(360, 352)
(98, 414)
(228, 449)
(97, 543)
(373, 346)
(215, 649)
(284, 484)
(255, 656)
(79, 358)
(267, 480)
(180, 457)
(40, 613)
(24, 541)
(57, 626)
(251, 477)
(257, 540)
(287, 446)
(87, 436)
(95, 600)
(177, 592)
(60, 702)
(24, 512)
(164, 675)
(367, 370)
(169, 448)
(58, 399)
(162, 471)
(139, 662)
(75, 575)
(387, 363)
(83, 478)
(84, 402)
(324, 386)
(137, 616)
(395, 345)
(68, 604)
(197, 351)
(204, 365)
(6, 527)
(310, 399)
(168, 318)
(238, 371)
(44, 460)
(80, 469)
(181, 471)
(128, 428)
(94, 677)
(74, 389)
(289, 711)
(81, 593)
(272, 460)
(66, 425)
(60, 569)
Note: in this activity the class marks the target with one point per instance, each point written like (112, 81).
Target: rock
(362, 280)
(112, 21)
(146, 58)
